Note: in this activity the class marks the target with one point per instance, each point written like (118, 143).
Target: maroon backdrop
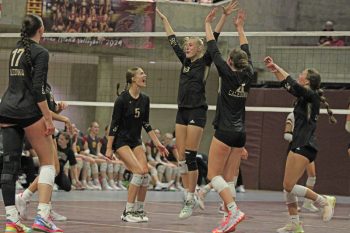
(267, 149)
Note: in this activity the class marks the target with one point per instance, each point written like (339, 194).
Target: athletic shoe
(309, 205)
(200, 197)
(121, 186)
(43, 225)
(57, 217)
(240, 189)
(221, 208)
(112, 184)
(142, 215)
(328, 210)
(130, 217)
(291, 227)
(188, 208)
(179, 187)
(55, 187)
(12, 227)
(230, 223)
(173, 188)
(158, 187)
(167, 185)
(22, 206)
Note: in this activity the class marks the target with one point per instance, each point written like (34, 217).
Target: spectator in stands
(328, 40)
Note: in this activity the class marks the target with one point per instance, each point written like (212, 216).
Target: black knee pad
(191, 160)
(11, 167)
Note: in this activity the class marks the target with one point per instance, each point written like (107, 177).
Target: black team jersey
(129, 116)
(191, 93)
(92, 143)
(233, 91)
(26, 84)
(50, 98)
(306, 111)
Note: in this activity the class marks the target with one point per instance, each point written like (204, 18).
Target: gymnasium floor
(99, 212)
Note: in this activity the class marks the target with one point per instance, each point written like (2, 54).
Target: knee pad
(110, 168)
(47, 175)
(94, 168)
(290, 197)
(145, 181)
(80, 164)
(122, 170)
(183, 169)
(191, 160)
(136, 180)
(11, 167)
(117, 168)
(103, 167)
(161, 169)
(299, 190)
(153, 171)
(232, 187)
(311, 181)
(219, 183)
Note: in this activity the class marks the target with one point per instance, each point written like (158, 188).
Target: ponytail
(332, 119)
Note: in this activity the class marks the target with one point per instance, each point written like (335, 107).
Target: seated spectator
(328, 40)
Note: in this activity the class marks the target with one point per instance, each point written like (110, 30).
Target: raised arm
(167, 27)
(286, 80)
(226, 11)
(239, 24)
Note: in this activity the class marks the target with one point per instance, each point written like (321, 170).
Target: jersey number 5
(18, 53)
(137, 113)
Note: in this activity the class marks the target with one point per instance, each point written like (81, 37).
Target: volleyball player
(229, 139)
(130, 114)
(303, 149)
(24, 110)
(310, 169)
(192, 107)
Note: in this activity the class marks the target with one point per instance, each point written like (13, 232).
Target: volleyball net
(84, 68)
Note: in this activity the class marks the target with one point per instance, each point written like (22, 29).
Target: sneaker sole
(332, 202)
(233, 228)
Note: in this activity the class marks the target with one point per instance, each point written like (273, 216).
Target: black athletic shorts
(232, 139)
(306, 151)
(120, 142)
(192, 116)
(23, 123)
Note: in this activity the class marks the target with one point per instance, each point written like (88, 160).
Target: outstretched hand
(231, 7)
(239, 19)
(270, 65)
(211, 16)
(162, 150)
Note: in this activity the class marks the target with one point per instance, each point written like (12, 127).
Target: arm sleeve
(145, 120)
(296, 89)
(176, 47)
(116, 116)
(207, 58)
(40, 67)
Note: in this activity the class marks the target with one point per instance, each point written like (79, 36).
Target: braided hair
(30, 25)
(314, 78)
(129, 75)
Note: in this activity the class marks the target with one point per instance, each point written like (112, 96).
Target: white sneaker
(121, 186)
(309, 205)
(55, 187)
(57, 217)
(112, 184)
(167, 185)
(291, 228)
(240, 189)
(188, 208)
(179, 187)
(87, 186)
(201, 196)
(158, 187)
(22, 206)
(328, 210)
(142, 215)
(130, 217)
